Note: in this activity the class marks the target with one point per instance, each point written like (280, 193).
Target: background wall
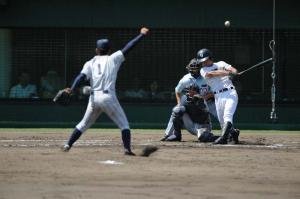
(155, 14)
(37, 36)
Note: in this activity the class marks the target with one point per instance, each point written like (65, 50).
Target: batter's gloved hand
(63, 97)
(232, 75)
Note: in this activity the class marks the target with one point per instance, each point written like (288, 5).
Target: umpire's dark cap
(103, 44)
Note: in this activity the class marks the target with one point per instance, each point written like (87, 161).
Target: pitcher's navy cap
(103, 44)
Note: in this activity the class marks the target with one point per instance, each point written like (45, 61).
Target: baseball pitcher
(102, 71)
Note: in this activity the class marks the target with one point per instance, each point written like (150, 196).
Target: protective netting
(159, 60)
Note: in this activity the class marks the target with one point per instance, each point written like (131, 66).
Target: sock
(75, 135)
(126, 137)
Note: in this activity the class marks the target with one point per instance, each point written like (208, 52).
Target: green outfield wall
(41, 114)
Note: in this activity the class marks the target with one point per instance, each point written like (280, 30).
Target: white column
(5, 62)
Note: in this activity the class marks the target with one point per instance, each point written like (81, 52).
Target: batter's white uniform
(226, 98)
(102, 72)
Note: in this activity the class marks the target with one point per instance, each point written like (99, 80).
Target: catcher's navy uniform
(194, 116)
(183, 85)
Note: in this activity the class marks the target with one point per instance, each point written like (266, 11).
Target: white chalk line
(107, 142)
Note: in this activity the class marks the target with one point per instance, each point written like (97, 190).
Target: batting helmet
(203, 55)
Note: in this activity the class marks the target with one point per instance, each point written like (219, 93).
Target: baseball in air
(227, 24)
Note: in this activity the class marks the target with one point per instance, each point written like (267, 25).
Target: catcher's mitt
(63, 98)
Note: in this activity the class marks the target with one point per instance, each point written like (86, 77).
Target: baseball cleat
(234, 136)
(173, 138)
(164, 138)
(65, 148)
(129, 152)
(221, 140)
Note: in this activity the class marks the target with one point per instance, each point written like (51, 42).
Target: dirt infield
(265, 165)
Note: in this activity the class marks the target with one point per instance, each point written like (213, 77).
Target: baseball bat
(256, 65)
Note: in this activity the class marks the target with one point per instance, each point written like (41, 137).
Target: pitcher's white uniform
(226, 98)
(102, 73)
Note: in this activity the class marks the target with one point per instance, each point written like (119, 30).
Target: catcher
(193, 115)
(194, 78)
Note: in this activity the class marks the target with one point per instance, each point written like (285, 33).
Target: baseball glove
(63, 97)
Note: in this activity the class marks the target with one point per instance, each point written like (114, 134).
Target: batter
(217, 76)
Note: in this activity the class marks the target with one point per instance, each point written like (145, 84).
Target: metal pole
(66, 58)
(273, 115)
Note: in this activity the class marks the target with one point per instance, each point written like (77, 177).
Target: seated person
(24, 89)
(50, 84)
(153, 90)
(136, 92)
(155, 94)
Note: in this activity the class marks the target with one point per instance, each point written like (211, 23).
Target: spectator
(50, 84)
(136, 92)
(154, 92)
(24, 89)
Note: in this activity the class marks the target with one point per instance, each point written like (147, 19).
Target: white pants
(103, 102)
(226, 103)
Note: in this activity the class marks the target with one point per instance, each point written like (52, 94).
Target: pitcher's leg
(116, 113)
(89, 118)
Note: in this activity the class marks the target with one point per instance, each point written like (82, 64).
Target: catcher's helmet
(194, 64)
(203, 55)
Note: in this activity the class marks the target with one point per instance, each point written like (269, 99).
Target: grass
(115, 130)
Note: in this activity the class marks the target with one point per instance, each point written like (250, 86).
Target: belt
(223, 90)
(103, 91)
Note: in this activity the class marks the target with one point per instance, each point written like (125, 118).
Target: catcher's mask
(194, 67)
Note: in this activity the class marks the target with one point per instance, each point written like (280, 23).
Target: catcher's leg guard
(225, 134)
(177, 122)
